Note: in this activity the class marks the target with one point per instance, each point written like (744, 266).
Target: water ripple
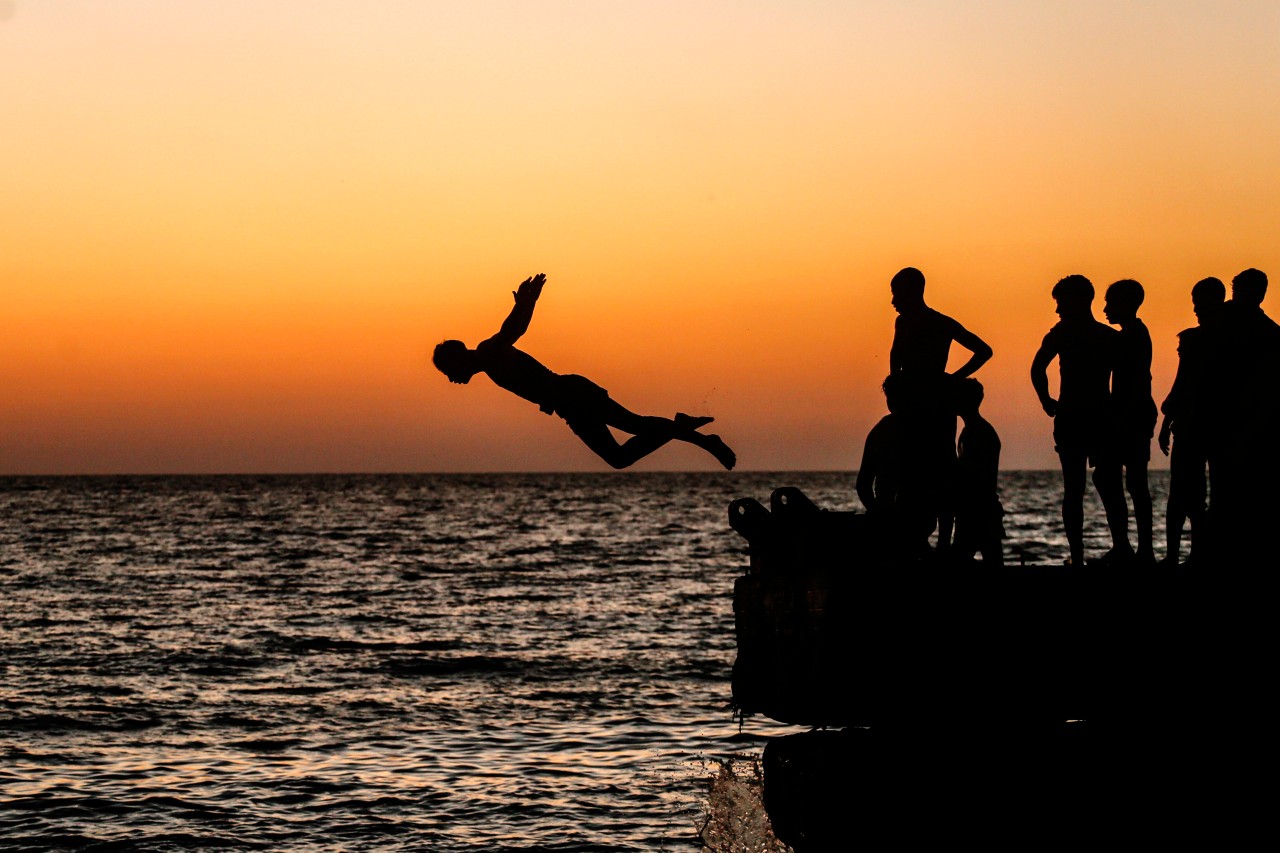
(523, 662)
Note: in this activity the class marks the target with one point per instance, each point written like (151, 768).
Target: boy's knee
(616, 457)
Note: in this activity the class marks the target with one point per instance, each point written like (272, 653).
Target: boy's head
(453, 359)
(907, 288)
(1249, 287)
(1122, 300)
(1074, 295)
(892, 387)
(966, 396)
(1207, 297)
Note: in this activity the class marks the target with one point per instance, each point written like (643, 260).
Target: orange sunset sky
(232, 231)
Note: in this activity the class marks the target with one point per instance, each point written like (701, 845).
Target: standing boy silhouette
(585, 406)
(1243, 501)
(979, 514)
(1186, 415)
(1134, 408)
(922, 339)
(1086, 352)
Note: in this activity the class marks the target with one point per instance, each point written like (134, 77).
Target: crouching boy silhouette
(585, 406)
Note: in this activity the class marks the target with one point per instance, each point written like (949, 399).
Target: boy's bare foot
(691, 422)
(715, 445)
(1116, 557)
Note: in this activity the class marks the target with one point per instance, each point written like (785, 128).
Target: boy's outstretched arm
(517, 322)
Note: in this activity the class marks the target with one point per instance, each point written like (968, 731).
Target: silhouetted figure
(1187, 412)
(585, 407)
(878, 474)
(880, 479)
(1134, 407)
(922, 339)
(979, 513)
(1086, 351)
(1245, 364)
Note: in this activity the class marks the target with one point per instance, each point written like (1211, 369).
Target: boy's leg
(1074, 465)
(648, 434)
(1140, 493)
(946, 528)
(595, 434)
(1109, 481)
(1071, 441)
(1194, 491)
(1176, 508)
(651, 432)
(1188, 491)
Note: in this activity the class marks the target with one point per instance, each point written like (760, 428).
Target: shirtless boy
(1086, 351)
(585, 406)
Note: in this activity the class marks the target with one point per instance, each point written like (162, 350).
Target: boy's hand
(1050, 406)
(1165, 429)
(531, 288)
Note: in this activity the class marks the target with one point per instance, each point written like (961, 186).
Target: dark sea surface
(418, 662)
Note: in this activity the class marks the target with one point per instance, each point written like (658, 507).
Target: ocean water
(418, 662)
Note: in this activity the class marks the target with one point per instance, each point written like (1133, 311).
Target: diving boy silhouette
(1086, 351)
(1134, 407)
(585, 406)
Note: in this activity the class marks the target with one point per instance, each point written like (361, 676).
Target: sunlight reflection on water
(384, 662)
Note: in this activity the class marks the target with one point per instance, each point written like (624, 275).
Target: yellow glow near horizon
(232, 232)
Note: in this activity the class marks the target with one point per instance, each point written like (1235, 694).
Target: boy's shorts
(577, 398)
(1084, 434)
(1135, 433)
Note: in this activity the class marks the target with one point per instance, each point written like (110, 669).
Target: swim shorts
(577, 397)
(1085, 433)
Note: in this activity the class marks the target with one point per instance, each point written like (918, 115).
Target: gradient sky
(232, 231)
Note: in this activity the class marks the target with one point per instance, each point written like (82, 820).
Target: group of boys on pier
(919, 478)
